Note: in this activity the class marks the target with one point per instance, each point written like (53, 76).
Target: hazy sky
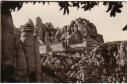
(109, 27)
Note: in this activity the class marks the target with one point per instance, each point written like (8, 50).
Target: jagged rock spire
(28, 26)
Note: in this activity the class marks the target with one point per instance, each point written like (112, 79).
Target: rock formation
(86, 30)
(80, 30)
(40, 29)
(31, 49)
(7, 47)
(7, 31)
(21, 63)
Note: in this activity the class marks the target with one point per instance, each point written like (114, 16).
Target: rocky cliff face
(79, 30)
(87, 29)
(104, 63)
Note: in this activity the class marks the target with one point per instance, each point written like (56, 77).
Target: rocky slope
(104, 63)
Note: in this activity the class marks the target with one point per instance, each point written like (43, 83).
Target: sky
(109, 27)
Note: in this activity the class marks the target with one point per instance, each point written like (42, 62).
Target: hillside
(106, 63)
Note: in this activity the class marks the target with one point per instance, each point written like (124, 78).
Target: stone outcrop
(40, 29)
(43, 28)
(7, 34)
(31, 50)
(7, 47)
(86, 30)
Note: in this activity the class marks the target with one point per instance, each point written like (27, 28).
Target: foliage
(125, 28)
(113, 6)
(86, 5)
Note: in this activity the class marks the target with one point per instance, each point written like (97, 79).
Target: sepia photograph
(64, 41)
